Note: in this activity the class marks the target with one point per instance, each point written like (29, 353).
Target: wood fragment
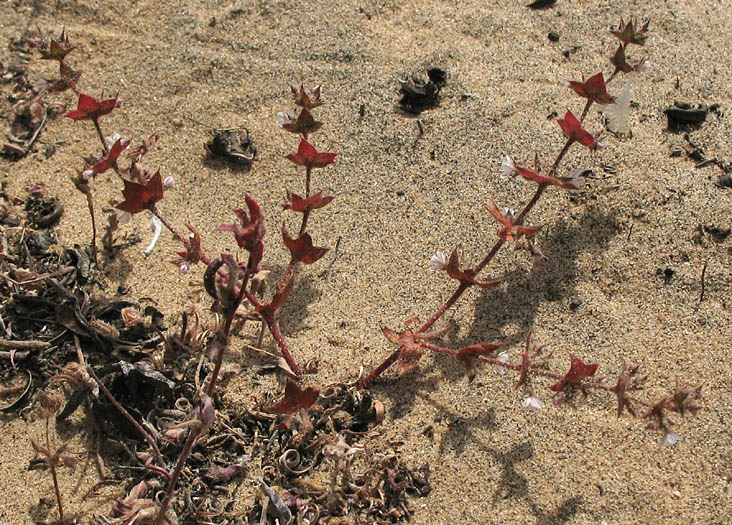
(703, 273)
(8, 344)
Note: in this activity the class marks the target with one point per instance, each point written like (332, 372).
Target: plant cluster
(237, 286)
(415, 339)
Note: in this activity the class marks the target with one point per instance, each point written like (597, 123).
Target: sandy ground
(401, 196)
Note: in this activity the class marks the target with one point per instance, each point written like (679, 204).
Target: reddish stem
(277, 335)
(100, 134)
(90, 205)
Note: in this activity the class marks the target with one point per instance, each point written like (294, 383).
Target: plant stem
(277, 335)
(464, 285)
(100, 134)
(306, 213)
(220, 343)
(90, 205)
(54, 475)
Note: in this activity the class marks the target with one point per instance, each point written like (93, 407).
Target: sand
(401, 195)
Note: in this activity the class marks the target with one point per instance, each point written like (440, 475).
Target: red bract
(140, 197)
(509, 232)
(298, 204)
(302, 249)
(618, 60)
(575, 132)
(304, 124)
(628, 34)
(577, 372)
(454, 271)
(469, 356)
(307, 98)
(309, 157)
(278, 299)
(249, 235)
(593, 89)
(627, 381)
(193, 250)
(295, 398)
(90, 108)
(57, 49)
(410, 349)
(534, 176)
(111, 159)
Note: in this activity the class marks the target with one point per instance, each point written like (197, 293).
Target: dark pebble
(554, 37)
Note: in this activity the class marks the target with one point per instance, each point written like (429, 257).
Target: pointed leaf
(593, 89)
(578, 370)
(295, 398)
(454, 271)
(469, 356)
(574, 130)
(139, 197)
(302, 249)
(314, 202)
(309, 157)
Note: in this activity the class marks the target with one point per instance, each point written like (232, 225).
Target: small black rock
(554, 37)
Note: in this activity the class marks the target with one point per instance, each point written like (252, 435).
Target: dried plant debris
(316, 450)
(683, 115)
(232, 145)
(541, 4)
(418, 95)
(324, 463)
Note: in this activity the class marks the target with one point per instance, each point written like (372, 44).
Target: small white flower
(88, 174)
(438, 261)
(532, 402)
(156, 227)
(503, 358)
(643, 67)
(509, 213)
(168, 182)
(285, 117)
(114, 137)
(670, 438)
(123, 217)
(508, 168)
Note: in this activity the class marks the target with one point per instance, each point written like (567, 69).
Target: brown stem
(101, 135)
(54, 475)
(376, 372)
(179, 236)
(221, 340)
(306, 213)
(90, 205)
(184, 454)
(286, 274)
(274, 329)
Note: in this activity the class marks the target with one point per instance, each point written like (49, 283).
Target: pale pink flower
(123, 217)
(438, 261)
(670, 438)
(285, 117)
(532, 402)
(508, 168)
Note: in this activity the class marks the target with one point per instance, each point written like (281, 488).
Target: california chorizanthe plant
(237, 287)
(414, 339)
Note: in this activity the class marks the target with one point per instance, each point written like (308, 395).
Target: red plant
(309, 157)
(89, 108)
(141, 196)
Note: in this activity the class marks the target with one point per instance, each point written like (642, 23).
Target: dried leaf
(295, 398)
